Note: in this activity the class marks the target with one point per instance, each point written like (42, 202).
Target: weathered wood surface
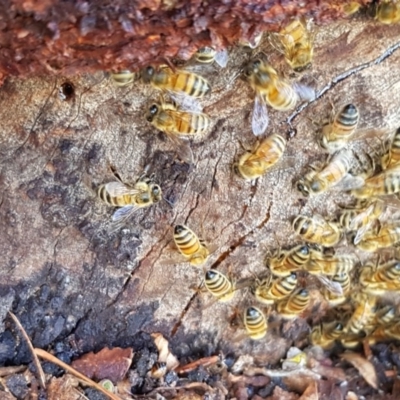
(64, 274)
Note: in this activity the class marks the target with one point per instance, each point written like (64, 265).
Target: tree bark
(65, 274)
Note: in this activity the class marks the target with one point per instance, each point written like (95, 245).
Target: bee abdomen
(186, 241)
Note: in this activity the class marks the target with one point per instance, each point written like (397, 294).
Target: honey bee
(388, 11)
(143, 193)
(283, 263)
(351, 8)
(334, 298)
(190, 246)
(219, 285)
(123, 78)
(335, 172)
(255, 323)
(296, 43)
(321, 263)
(363, 313)
(207, 55)
(268, 292)
(337, 134)
(384, 317)
(272, 90)
(294, 305)
(317, 230)
(362, 217)
(382, 278)
(392, 157)
(176, 83)
(158, 370)
(256, 163)
(386, 236)
(178, 125)
(385, 183)
(324, 335)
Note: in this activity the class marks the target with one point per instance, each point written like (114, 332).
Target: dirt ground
(76, 286)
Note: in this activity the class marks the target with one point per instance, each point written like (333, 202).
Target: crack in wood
(339, 78)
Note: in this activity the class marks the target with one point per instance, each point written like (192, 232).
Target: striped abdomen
(281, 96)
(219, 285)
(115, 201)
(187, 123)
(295, 305)
(186, 241)
(283, 287)
(255, 323)
(192, 84)
(345, 122)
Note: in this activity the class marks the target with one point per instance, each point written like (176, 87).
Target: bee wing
(185, 102)
(182, 147)
(306, 93)
(333, 287)
(123, 213)
(358, 219)
(222, 57)
(276, 42)
(382, 134)
(361, 232)
(349, 182)
(120, 189)
(259, 121)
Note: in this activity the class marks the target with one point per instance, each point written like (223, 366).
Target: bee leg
(113, 170)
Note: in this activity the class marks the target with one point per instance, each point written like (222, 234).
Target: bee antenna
(168, 202)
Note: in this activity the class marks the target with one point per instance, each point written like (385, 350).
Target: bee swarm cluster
(310, 236)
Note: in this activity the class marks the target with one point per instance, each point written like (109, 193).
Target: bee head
(252, 67)
(179, 229)
(147, 73)
(156, 193)
(303, 188)
(153, 110)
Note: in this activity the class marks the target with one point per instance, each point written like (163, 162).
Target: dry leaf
(164, 355)
(311, 393)
(108, 363)
(298, 382)
(325, 370)
(364, 367)
(63, 389)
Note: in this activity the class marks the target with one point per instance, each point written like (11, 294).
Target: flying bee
(272, 90)
(385, 183)
(268, 292)
(296, 43)
(335, 172)
(391, 158)
(283, 263)
(143, 193)
(294, 305)
(321, 263)
(178, 125)
(178, 83)
(317, 230)
(190, 246)
(255, 323)
(207, 55)
(386, 236)
(388, 11)
(123, 78)
(324, 335)
(363, 313)
(334, 298)
(256, 163)
(382, 278)
(219, 285)
(337, 134)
